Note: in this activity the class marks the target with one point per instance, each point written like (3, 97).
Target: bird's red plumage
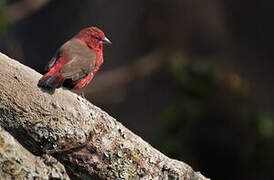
(77, 60)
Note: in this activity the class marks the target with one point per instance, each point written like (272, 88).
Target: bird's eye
(96, 38)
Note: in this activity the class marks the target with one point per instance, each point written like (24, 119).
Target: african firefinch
(77, 61)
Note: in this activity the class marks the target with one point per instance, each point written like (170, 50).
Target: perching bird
(77, 61)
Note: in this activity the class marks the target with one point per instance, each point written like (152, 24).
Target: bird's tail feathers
(50, 81)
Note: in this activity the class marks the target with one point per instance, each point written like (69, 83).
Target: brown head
(93, 37)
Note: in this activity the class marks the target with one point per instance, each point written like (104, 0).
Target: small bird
(76, 62)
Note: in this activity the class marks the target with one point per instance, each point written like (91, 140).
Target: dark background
(191, 77)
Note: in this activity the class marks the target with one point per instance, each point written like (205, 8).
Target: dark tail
(50, 82)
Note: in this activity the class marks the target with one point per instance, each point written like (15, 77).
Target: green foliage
(265, 125)
(209, 120)
(3, 21)
(195, 78)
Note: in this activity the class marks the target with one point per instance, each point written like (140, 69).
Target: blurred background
(194, 78)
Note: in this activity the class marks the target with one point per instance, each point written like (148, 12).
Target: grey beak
(105, 40)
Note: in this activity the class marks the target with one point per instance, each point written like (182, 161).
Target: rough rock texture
(86, 140)
(18, 163)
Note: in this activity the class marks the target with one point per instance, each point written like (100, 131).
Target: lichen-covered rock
(18, 163)
(86, 140)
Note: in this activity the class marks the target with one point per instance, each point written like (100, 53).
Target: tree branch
(20, 10)
(122, 75)
(18, 163)
(86, 140)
